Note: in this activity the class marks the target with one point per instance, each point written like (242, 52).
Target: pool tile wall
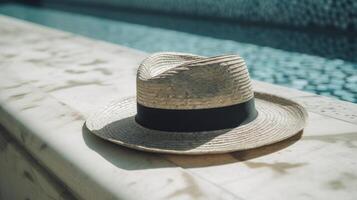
(336, 14)
(332, 77)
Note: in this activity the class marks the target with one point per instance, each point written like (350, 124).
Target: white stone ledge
(22, 177)
(51, 80)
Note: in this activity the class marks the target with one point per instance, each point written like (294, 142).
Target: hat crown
(185, 81)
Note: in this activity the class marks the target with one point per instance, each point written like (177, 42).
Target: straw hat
(188, 104)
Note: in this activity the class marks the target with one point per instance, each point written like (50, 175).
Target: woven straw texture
(278, 119)
(184, 81)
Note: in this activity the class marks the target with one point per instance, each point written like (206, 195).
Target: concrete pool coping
(50, 81)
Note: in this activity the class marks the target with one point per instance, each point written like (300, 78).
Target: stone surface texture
(50, 81)
(22, 177)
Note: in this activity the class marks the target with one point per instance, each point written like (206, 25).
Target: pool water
(325, 65)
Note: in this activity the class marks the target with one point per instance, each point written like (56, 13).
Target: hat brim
(278, 119)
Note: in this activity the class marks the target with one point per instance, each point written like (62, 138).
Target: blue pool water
(325, 65)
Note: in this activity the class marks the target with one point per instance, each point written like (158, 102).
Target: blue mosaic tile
(325, 75)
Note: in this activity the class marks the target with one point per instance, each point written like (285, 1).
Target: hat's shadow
(130, 159)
